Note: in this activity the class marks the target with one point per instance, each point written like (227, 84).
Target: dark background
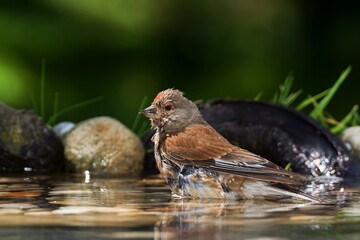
(125, 50)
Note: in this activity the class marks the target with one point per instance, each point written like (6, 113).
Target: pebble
(63, 128)
(104, 146)
(351, 137)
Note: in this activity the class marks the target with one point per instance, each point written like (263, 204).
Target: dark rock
(27, 144)
(279, 134)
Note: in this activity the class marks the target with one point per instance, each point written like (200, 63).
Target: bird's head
(171, 111)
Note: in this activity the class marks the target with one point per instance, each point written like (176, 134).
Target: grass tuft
(311, 99)
(318, 111)
(284, 96)
(53, 118)
(347, 120)
(319, 102)
(56, 113)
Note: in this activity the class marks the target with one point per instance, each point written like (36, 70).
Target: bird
(198, 162)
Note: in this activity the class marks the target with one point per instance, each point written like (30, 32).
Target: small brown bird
(197, 162)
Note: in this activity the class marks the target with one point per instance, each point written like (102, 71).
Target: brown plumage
(196, 161)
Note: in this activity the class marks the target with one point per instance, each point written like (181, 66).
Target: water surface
(84, 207)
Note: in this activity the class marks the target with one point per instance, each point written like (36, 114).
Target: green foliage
(356, 119)
(284, 96)
(319, 102)
(311, 99)
(138, 47)
(319, 109)
(258, 96)
(287, 167)
(56, 112)
(346, 121)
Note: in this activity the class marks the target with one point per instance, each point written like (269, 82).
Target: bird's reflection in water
(192, 219)
(223, 219)
(214, 219)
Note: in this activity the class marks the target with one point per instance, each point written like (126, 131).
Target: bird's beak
(149, 112)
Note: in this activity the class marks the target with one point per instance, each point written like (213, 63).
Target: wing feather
(202, 146)
(198, 142)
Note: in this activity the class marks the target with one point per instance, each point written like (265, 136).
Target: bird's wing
(243, 163)
(202, 146)
(197, 142)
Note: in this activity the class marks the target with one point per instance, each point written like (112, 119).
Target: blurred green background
(127, 49)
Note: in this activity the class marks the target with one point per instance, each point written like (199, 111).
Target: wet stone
(27, 143)
(104, 146)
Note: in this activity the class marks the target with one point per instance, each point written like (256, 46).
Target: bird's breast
(193, 182)
(188, 180)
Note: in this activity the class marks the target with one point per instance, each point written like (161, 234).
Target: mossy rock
(27, 143)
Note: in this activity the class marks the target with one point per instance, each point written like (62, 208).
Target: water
(82, 207)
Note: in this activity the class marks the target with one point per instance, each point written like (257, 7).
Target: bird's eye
(168, 106)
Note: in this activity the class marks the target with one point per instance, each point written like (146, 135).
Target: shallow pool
(84, 207)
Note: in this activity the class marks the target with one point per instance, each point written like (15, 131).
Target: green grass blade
(138, 116)
(330, 119)
(74, 107)
(311, 99)
(34, 102)
(275, 98)
(356, 119)
(284, 95)
(42, 88)
(286, 88)
(292, 97)
(55, 110)
(343, 123)
(258, 96)
(320, 108)
(287, 167)
(321, 118)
